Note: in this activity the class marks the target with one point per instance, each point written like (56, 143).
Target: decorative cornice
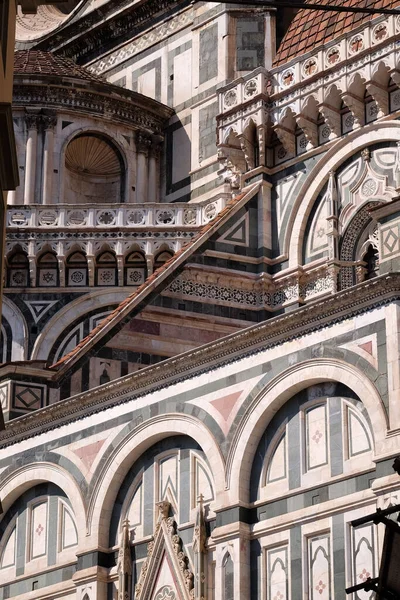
(105, 100)
(92, 35)
(295, 324)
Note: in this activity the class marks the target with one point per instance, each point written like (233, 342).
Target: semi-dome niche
(94, 171)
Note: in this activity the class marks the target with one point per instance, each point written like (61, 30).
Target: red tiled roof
(157, 277)
(312, 28)
(37, 62)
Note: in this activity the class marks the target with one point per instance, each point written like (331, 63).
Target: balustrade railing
(118, 215)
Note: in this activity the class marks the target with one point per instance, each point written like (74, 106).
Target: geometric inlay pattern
(28, 398)
(390, 240)
(238, 234)
(39, 308)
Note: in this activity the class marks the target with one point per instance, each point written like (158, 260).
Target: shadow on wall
(178, 157)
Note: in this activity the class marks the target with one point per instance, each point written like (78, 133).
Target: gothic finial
(200, 533)
(366, 154)
(164, 508)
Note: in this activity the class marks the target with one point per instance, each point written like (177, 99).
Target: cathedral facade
(201, 317)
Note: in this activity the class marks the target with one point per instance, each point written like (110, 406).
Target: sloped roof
(37, 62)
(312, 28)
(152, 283)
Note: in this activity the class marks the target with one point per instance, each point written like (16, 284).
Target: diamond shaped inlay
(390, 240)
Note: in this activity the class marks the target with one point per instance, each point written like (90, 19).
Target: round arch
(22, 479)
(312, 186)
(273, 397)
(64, 317)
(16, 320)
(131, 447)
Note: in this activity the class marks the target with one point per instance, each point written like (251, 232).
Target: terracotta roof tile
(312, 28)
(36, 62)
(130, 300)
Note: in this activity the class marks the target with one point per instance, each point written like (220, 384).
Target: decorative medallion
(251, 88)
(380, 33)
(210, 211)
(165, 217)
(288, 78)
(333, 56)
(48, 217)
(310, 67)
(230, 98)
(106, 217)
(369, 188)
(189, 216)
(18, 218)
(76, 217)
(135, 217)
(356, 44)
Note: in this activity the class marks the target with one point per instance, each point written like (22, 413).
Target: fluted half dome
(91, 155)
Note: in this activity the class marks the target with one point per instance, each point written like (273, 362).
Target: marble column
(31, 157)
(143, 143)
(49, 122)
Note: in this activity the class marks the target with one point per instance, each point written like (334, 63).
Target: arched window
(39, 526)
(47, 272)
(77, 270)
(94, 171)
(106, 269)
(162, 258)
(135, 269)
(371, 260)
(18, 270)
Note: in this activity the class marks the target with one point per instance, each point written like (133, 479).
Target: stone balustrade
(116, 216)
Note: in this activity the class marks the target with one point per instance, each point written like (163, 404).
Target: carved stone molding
(287, 138)
(165, 540)
(357, 107)
(122, 109)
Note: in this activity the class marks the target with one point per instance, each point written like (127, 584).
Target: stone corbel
(248, 151)
(395, 75)
(381, 97)
(357, 107)
(91, 269)
(287, 138)
(332, 117)
(309, 128)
